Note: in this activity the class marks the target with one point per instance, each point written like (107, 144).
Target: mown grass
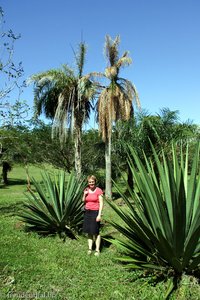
(32, 267)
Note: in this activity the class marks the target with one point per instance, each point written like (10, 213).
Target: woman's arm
(84, 195)
(100, 208)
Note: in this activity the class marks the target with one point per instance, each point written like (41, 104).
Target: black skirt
(90, 225)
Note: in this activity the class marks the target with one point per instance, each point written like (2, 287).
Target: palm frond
(124, 61)
(111, 49)
(130, 90)
(80, 58)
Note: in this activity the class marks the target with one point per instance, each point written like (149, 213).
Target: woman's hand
(98, 218)
(86, 192)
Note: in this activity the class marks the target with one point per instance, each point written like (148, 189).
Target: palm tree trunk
(28, 178)
(4, 176)
(108, 192)
(77, 144)
(5, 169)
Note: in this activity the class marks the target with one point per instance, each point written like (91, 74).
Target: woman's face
(91, 183)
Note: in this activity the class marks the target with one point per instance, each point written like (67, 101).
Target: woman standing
(93, 200)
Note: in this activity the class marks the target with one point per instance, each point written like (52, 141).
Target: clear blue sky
(163, 37)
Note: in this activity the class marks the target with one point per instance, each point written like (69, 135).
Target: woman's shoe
(89, 252)
(97, 253)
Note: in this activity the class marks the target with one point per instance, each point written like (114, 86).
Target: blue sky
(163, 37)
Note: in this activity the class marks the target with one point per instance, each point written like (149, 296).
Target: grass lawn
(48, 268)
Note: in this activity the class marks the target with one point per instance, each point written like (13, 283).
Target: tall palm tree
(64, 96)
(115, 100)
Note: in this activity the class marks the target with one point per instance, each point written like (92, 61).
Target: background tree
(50, 151)
(9, 70)
(163, 128)
(93, 156)
(10, 73)
(144, 129)
(7, 141)
(124, 133)
(28, 146)
(13, 118)
(16, 114)
(65, 96)
(115, 100)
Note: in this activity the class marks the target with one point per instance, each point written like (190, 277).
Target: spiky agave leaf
(57, 206)
(162, 227)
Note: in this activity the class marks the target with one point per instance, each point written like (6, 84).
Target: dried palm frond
(124, 61)
(129, 88)
(111, 72)
(115, 101)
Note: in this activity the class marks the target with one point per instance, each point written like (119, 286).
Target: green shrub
(56, 207)
(161, 228)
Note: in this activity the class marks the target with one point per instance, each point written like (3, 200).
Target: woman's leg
(90, 242)
(98, 243)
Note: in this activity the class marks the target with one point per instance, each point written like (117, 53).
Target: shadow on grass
(12, 209)
(13, 181)
(106, 241)
(116, 195)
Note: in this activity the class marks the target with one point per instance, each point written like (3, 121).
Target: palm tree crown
(115, 100)
(65, 96)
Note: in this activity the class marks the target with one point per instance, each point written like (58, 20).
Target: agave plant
(161, 228)
(56, 207)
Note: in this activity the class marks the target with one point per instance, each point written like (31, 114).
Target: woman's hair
(92, 177)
